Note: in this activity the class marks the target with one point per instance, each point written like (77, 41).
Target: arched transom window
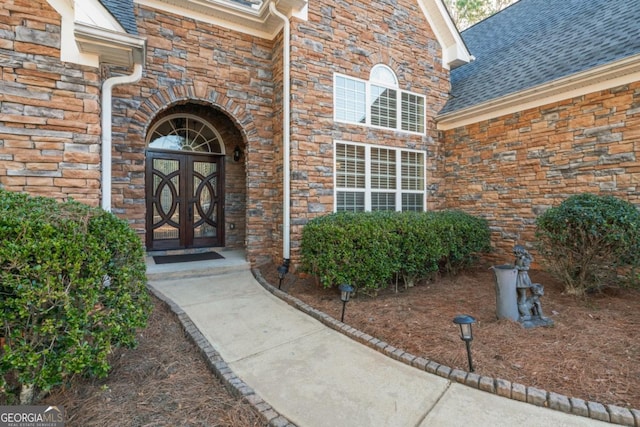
(383, 75)
(185, 132)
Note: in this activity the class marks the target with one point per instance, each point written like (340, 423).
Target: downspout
(107, 88)
(286, 141)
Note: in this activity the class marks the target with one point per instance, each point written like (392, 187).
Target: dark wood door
(185, 201)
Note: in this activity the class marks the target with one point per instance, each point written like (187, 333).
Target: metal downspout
(286, 129)
(107, 88)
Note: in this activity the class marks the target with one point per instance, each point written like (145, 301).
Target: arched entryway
(184, 183)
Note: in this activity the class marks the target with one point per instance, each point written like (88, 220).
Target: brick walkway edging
(221, 370)
(535, 396)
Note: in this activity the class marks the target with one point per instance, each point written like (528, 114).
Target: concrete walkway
(315, 376)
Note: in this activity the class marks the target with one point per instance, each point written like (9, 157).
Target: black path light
(282, 271)
(345, 294)
(466, 333)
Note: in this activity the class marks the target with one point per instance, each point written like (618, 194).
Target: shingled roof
(533, 42)
(122, 10)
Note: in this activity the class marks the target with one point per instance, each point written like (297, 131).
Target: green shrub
(463, 236)
(421, 248)
(588, 240)
(72, 280)
(354, 248)
(369, 249)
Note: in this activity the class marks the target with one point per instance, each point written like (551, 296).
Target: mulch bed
(164, 381)
(592, 352)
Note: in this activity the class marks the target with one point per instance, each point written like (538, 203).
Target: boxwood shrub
(371, 249)
(72, 286)
(590, 241)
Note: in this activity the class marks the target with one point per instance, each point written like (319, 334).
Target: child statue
(529, 307)
(523, 282)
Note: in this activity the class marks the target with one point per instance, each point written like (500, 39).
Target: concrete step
(234, 261)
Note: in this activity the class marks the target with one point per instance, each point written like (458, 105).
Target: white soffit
(254, 20)
(113, 47)
(97, 32)
(454, 51)
(596, 79)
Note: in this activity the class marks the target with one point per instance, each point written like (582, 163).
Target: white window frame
(368, 190)
(367, 105)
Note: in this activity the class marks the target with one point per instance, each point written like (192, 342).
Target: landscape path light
(466, 333)
(282, 271)
(345, 294)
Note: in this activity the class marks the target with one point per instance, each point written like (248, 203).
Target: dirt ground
(592, 352)
(162, 382)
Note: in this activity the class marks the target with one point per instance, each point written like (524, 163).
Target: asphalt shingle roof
(537, 41)
(122, 10)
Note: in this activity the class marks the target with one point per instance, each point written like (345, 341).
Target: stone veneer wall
(195, 63)
(512, 168)
(350, 37)
(49, 110)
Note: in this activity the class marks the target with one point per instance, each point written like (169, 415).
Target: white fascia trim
(111, 46)
(235, 19)
(596, 79)
(454, 51)
(203, 17)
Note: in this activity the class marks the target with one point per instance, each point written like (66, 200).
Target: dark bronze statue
(529, 306)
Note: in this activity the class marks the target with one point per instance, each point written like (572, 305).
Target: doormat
(169, 259)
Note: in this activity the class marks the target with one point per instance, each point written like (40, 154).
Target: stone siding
(511, 169)
(49, 110)
(228, 78)
(349, 38)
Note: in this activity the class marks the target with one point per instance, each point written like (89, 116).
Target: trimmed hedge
(370, 249)
(589, 241)
(72, 286)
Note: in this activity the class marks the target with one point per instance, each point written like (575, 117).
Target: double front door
(185, 202)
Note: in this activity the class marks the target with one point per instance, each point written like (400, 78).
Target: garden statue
(529, 306)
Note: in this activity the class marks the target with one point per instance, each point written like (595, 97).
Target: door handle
(190, 212)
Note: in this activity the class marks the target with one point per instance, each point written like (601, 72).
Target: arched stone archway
(235, 128)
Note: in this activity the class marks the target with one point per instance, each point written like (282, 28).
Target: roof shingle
(122, 10)
(533, 42)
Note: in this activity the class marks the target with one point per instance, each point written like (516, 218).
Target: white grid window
(370, 178)
(383, 168)
(412, 171)
(350, 100)
(378, 102)
(384, 107)
(412, 112)
(351, 202)
(412, 202)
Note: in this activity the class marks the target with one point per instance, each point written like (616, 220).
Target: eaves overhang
(254, 20)
(112, 47)
(454, 50)
(604, 77)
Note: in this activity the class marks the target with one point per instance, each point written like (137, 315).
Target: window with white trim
(378, 102)
(373, 178)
